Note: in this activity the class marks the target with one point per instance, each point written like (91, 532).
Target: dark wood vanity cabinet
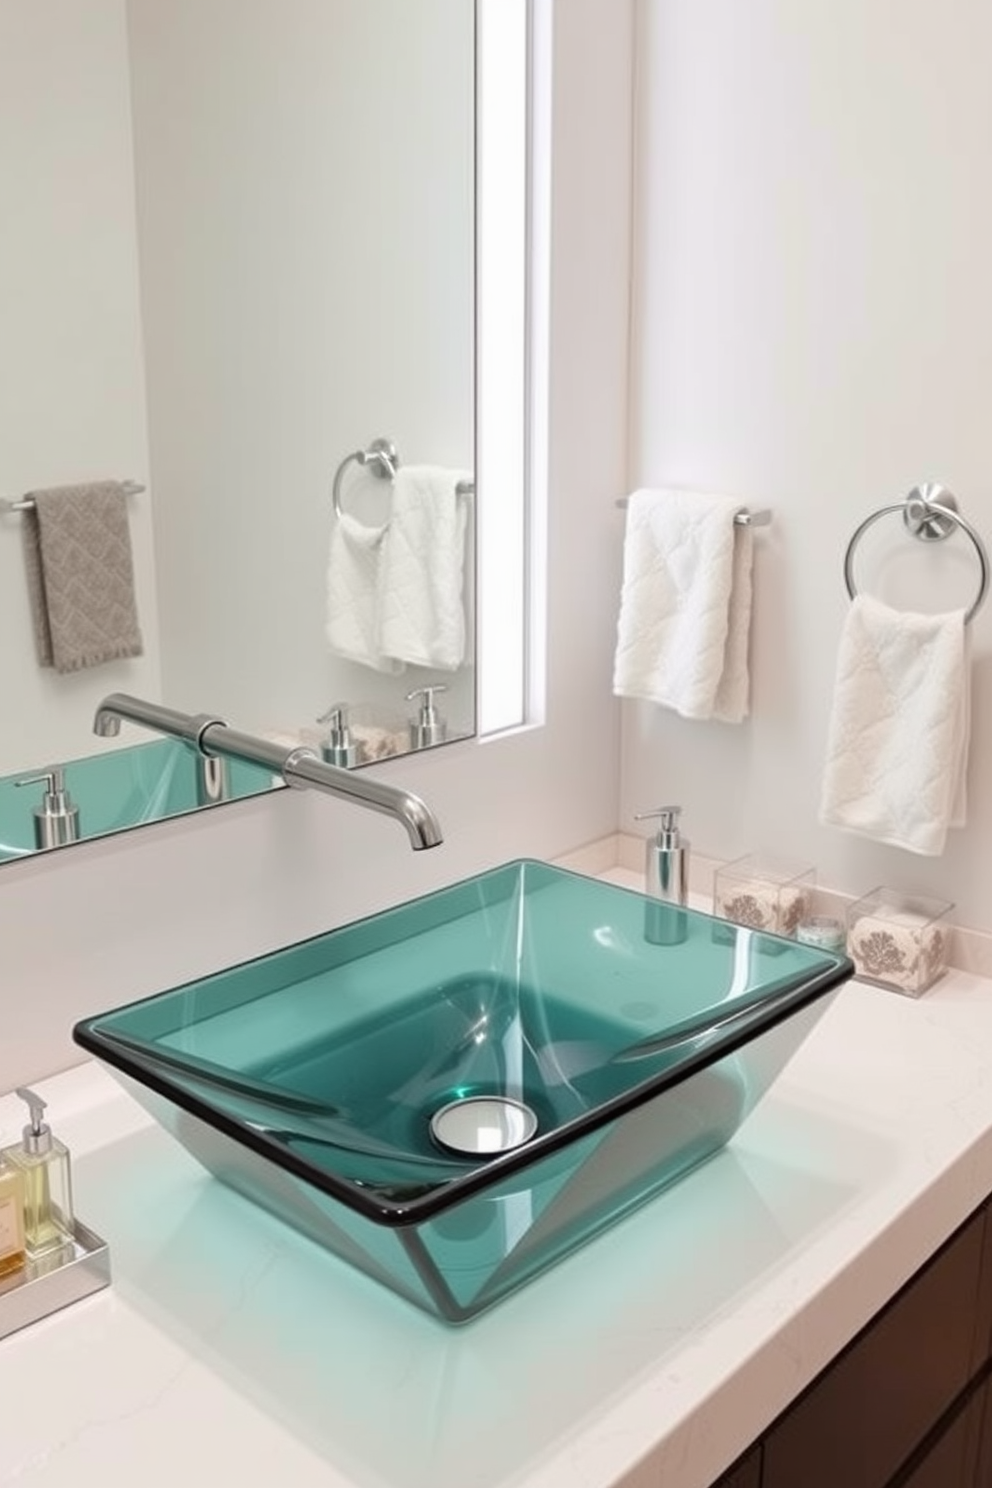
(908, 1404)
(746, 1473)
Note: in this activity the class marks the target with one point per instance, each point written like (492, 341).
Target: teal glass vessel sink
(453, 1094)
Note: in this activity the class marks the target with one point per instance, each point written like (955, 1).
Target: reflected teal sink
(121, 789)
(454, 1094)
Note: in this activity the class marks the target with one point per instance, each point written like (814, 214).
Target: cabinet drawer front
(871, 1407)
(744, 1474)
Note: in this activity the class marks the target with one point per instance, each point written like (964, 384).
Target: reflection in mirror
(239, 257)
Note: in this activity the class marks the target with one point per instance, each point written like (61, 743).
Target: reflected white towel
(685, 608)
(353, 585)
(422, 615)
(897, 748)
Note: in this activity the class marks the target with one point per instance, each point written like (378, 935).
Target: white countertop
(230, 1352)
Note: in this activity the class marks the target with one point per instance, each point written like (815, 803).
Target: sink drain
(483, 1125)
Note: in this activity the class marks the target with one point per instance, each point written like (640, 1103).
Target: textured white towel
(685, 608)
(353, 585)
(422, 616)
(897, 748)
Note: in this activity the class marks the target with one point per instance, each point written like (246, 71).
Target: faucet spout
(422, 826)
(300, 768)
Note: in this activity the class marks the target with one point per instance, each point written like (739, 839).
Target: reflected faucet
(300, 768)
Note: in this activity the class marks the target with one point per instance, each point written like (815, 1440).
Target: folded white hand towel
(897, 748)
(422, 616)
(353, 585)
(685, 608)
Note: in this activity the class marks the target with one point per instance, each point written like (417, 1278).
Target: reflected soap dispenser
(428, 727)
(666, 877)
(56, 820)
(42, 1163)
(339, 748)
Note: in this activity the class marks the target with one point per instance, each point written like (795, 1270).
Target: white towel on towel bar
(422, 617)
(897, 748)
(353, 588)
(685, 608)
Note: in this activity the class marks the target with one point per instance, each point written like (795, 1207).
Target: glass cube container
(764, 893)
(454, 1094)
(899, 940)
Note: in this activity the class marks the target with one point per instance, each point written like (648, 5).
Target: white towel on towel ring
(897, 749)
(353, 593)
(422, 611)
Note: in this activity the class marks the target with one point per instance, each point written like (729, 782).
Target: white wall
(72, 391)
(103, 922)
(305, 207)
(812, 332)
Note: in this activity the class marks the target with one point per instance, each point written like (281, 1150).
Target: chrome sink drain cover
(483, 1125)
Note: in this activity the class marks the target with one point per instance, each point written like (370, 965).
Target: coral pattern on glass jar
(880, 956)
(745, 909)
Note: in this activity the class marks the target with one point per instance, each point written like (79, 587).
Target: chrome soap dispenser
(428, 727)
(666, 877)
(666, 872)
(43, 1163)
(56, 820)
(339, 748)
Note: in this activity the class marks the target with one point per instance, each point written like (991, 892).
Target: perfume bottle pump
(41, 1162)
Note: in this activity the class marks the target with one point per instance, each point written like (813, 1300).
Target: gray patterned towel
(77, 554)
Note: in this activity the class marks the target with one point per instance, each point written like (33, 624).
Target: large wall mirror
(238, 247)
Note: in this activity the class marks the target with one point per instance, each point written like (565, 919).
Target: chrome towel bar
(26, 503)
(742, 518)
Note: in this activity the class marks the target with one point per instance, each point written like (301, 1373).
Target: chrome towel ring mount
(930, 513)
(380, 459)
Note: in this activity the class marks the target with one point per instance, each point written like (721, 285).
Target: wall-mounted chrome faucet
(300, 768)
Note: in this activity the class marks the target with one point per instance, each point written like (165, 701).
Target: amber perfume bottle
(42, 1163)
(12, 1248)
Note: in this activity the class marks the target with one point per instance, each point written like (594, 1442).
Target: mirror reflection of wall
(239, 245)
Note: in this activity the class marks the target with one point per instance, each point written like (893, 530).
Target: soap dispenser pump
(428, 727)
(666, 878)
(667, 863)
(56, 820)
(666, 871)
(339, 748)
(43, 1163)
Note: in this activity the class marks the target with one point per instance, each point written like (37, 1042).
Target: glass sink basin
(453, 1094)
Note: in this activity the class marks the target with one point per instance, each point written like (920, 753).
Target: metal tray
(53, 1281)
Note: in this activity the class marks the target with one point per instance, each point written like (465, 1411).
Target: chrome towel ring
(930, 512)
(380, 459)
